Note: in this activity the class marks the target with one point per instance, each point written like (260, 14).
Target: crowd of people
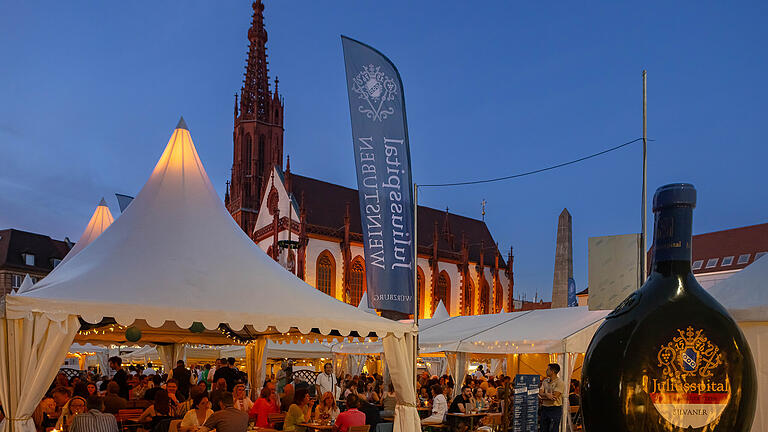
(217, 397)
(210, 397)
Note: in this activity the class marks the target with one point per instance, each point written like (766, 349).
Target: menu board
(526, 403)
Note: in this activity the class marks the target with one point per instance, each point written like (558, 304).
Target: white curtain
(401, 354)
(435, 365)
(30, 357)
(170, 354)
(355, 364)
(103, 358)
(256, 365)
(497, 367)
(339, 363)
(757, 337)
(567, 362)
(458, 362)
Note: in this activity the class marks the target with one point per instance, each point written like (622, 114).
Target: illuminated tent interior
(175, 268)
(745, 295)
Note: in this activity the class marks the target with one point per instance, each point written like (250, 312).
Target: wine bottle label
(689, 386)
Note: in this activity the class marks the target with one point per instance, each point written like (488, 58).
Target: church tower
(258, 130)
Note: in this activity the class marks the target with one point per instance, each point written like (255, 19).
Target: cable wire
(472, 182)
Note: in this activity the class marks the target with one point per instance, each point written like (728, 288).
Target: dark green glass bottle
(669, 357)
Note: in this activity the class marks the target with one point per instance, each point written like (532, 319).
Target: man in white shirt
(326, 382)
(439, 406)
(149, 371)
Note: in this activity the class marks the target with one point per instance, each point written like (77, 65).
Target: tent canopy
(744, 294)
(176, 256)
(100, 221)
(538, 331)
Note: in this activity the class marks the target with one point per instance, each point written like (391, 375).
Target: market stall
(175, 268)
(746, 298)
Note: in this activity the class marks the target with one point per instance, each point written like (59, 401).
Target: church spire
(255, 94)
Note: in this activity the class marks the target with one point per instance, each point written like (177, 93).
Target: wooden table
(316, 426)
(471, 417)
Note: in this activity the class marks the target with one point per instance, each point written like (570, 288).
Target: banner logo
(377, 90)
(692, 389)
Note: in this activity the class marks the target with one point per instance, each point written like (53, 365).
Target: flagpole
(415, 279)
(644, 235)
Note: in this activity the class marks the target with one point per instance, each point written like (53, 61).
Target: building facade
(23, 253)
(313, 227)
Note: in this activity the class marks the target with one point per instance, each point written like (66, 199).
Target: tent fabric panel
(31, 350)
(744, 294)
(400, 353)
(757, 337)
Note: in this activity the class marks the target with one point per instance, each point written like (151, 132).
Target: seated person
(93, 419)
(198, 415)
(265, 405)
(242, 403)
(160, 410)
(299, 412)
(227, 418)
(462, 403)
(439, 406)
(113, 403)
(75, 406)
(351, 417)
(326, 409)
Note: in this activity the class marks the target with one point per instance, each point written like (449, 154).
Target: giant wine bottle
(669, 357)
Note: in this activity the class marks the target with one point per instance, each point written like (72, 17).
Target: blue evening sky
(90, 93)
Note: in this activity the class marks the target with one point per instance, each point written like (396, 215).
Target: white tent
(100, 221)
(174, 257)
(745, 295)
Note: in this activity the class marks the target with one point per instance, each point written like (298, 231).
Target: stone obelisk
(563, 261)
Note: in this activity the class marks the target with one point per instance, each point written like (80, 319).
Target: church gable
(275, 201)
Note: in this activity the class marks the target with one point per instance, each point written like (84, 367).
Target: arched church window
(356, 281)
(485, 293)
(326, 273)
(498, 297)
(423, 309)
(442, 290)
(468, 300)
(260, 154)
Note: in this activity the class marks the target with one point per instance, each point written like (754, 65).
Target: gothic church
(313, 227)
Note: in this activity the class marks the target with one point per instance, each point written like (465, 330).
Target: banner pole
(415, 279)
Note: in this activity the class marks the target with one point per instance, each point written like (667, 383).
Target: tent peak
(182, 124)
(102, 203)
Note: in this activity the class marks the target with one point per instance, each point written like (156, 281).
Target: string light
(101, 330)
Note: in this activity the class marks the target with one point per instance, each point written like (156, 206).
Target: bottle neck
(672, 240)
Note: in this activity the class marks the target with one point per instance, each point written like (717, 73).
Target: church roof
(325, 204)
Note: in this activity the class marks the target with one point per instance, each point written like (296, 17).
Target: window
(727, 261)
(423, 310)
(469, 295)
(743, 258)
(712, 262)
(759, 255)
(498, 297)
(55, 262)
(485, 294)
(356, 282)
(442, 290)
(29, 259)
(16, 280)
(697, 264)
(326, 273)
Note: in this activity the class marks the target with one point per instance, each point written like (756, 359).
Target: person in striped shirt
(94, 420)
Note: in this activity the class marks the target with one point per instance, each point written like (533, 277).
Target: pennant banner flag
(383, 164)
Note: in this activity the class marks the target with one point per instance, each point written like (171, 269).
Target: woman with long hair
(299, 411)
(160, 410)
(196, 417)
(326, 409)
(265, 405)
